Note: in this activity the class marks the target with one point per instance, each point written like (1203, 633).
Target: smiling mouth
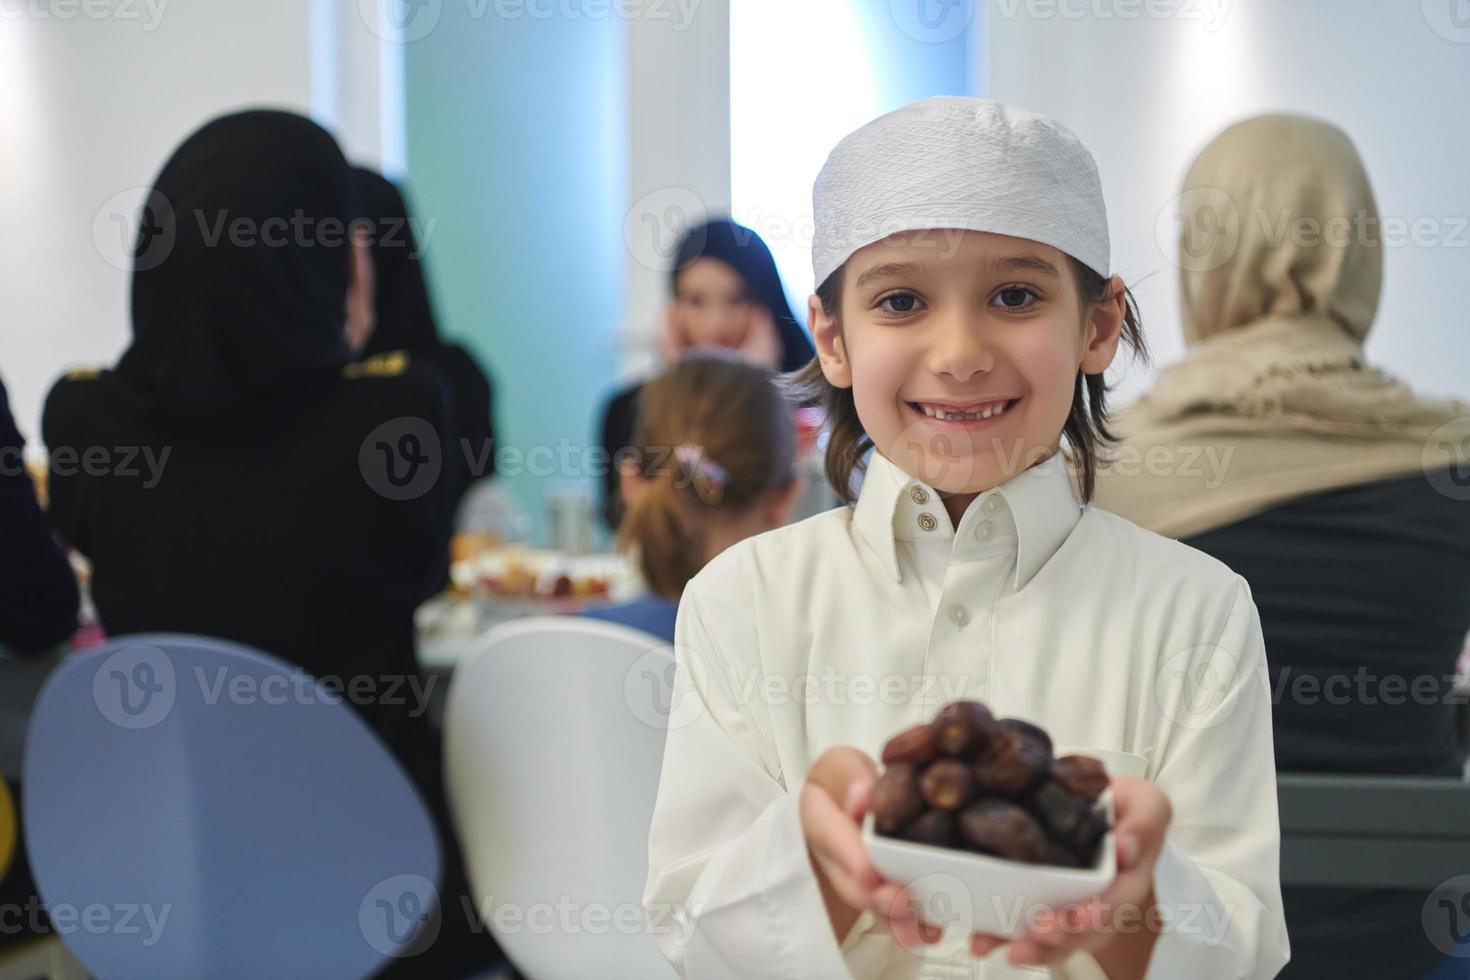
(946, 412)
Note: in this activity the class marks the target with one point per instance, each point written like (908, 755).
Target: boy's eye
(1015, 297)
(899, 303)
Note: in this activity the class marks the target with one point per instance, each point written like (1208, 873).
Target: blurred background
(553, 149)
(555, 156)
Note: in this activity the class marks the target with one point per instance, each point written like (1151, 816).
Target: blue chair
(194, 808)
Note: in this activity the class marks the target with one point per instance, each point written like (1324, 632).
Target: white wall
(1145, 94)
(90, 106)
(678, 138)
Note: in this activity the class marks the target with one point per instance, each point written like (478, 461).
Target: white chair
(553, 737)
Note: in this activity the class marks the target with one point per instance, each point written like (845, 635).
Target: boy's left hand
(1141, 814)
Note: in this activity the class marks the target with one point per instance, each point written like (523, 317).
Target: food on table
(969, 781)
(521, 573)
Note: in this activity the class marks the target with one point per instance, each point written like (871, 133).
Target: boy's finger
(848, 888)
(1028, 952)
(983, 944)
(859, 794)
(841, 767)
(839, 843)
(1139, 809)
(894, 904)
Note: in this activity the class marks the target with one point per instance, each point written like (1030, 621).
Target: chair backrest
(1372, 831)
(195, 808)
(553, 738)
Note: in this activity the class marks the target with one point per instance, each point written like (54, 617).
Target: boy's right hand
(834, 801)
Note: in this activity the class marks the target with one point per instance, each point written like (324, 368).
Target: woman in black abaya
(274, 493)
(405, 321)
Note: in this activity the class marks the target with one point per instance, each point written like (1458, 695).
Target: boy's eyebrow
(889, 270)
(1027, 263)
(1009, 263)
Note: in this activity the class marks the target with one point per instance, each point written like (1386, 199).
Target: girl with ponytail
(712, 462)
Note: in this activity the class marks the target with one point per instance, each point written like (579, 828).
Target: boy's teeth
(983, 413)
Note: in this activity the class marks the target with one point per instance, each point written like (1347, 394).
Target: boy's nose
(960, 349)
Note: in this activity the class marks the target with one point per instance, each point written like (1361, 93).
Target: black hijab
(744, 251)
(405, 315)
(405, 321)
(241, 272)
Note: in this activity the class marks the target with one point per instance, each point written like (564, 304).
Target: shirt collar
(1032, 512)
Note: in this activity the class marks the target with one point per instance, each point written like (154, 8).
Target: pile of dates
(970, 782)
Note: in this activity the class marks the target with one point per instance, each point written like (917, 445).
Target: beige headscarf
(1281, 264)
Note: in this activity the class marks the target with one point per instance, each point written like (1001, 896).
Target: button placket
(959, 636)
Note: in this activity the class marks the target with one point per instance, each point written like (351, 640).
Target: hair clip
(708, 477)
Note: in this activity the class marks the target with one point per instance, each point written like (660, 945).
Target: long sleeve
(1218, 879)
(728, 865)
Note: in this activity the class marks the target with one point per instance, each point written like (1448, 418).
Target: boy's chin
(955, 476)
(973, 474)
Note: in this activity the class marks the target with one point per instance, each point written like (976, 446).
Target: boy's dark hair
(1086, 428)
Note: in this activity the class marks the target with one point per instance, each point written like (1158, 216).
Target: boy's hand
(1141, 813)
(834, 801)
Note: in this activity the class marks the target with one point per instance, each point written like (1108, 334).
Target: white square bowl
(965, 890)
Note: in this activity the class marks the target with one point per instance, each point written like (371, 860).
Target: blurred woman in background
(714, 456)
(1341, 495)
(38, 593)
(727, 294)
(405, 321)
(274, 494)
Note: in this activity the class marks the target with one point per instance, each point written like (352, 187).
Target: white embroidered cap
(957, 162)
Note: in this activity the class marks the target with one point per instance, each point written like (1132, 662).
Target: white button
(920, 495)
(985, 530)
(958, 616)
(927, 521)
(993, 504)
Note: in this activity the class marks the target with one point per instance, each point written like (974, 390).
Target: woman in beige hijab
(1281, 265)
(1340, 495)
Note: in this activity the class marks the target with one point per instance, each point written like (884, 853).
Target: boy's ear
(827, 337)
(1104, 328)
